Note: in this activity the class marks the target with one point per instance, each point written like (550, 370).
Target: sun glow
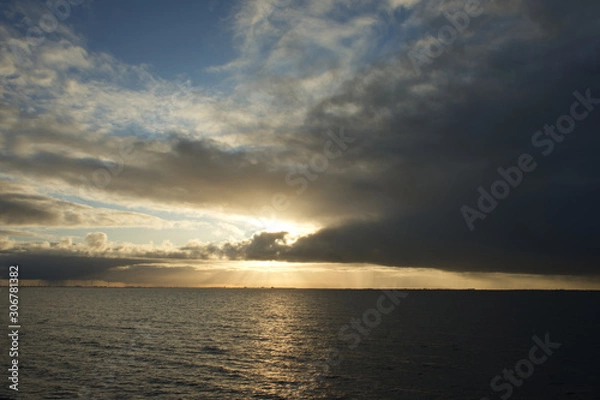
(294, 230)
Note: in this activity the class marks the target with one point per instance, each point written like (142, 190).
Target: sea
(168, 343)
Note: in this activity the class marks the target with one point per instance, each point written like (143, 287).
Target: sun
(295, 230)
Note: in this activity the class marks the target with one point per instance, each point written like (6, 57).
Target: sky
(308, 143)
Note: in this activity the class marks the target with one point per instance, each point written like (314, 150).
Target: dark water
(92, 343)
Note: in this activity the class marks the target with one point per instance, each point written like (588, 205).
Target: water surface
(106, 343)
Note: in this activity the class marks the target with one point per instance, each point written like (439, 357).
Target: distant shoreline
(323, 289)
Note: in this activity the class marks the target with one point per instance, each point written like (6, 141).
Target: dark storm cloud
(16, 209)
(472, 111)
(519, 239)
(261, 246)
(55, 267)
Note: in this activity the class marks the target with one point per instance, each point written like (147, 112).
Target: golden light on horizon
(277, 274)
